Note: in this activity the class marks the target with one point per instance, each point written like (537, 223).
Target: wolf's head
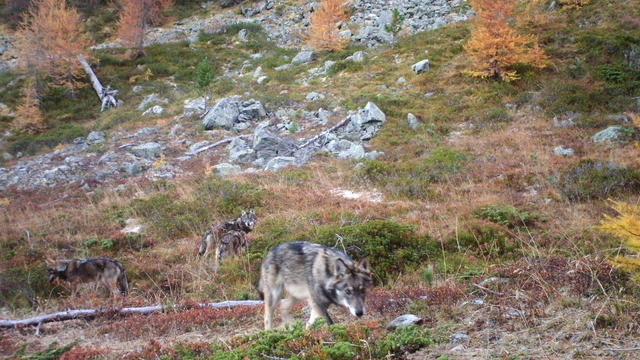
(248, 220)
(58, 273)
(349, 284)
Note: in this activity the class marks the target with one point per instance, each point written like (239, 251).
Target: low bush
(506, 215)
(591, 179)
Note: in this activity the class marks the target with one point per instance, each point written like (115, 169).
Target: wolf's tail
(123, 282)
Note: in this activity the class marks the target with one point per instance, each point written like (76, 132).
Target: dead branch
(330, 130)
(88, 314)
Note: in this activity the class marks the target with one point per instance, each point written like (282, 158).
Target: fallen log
(108, 96)
(88, 314)
(324, 133)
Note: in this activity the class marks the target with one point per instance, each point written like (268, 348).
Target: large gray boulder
(223, 114)
(226, 169)
(366, 123)
(345, 149)
(233, 113)
(268, 145)
(150, 150)
(304, 57)
(240, 151)
(96, 137)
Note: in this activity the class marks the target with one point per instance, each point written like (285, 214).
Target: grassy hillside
(474, 194)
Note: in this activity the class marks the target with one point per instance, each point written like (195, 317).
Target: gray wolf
(108, 272)
(228, 239)
(320, 275)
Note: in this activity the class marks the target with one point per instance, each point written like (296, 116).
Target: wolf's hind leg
(271, 298)
(285, 310)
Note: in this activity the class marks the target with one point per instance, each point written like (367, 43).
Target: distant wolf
(108, 272)
(320, 275)
(228, 239)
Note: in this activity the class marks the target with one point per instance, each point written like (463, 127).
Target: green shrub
(22, 287)
(170, 218)
(342, 350)
(506, 215)
(591, 179)
(229, 198)
(52, 353)
(204, 73)
(30, 144)
(406, 340)
(484, 239)
(391, 247)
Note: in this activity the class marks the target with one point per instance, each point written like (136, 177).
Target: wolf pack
(291, 273)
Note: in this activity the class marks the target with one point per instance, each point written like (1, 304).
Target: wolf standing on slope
(105, 271)
(229, 238)
(323, 276)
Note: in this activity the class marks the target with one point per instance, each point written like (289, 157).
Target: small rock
(620, 118)
(223, 114)
(373, 155)
(404, 321)
(357, 57)
(133, 169)
(284, 67)
(421, 66)
(194, 107)
(280, 162)
(328, 65)
(258, 73)
(96, 137)
(567, 120)
(401, 81)
(613, 134)
(137, 89)
(134, 226)
(226, 169)
(414, 122)
(460, 338)
(314, 96)
(150, 100)
(155, 110)
(262, 79)
(563, 151)
(149, 150)
(240, 151)
(243, 35)
(304, 57)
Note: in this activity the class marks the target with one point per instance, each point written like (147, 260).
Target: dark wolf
(108, 272)
(320, 275)
(228, 239)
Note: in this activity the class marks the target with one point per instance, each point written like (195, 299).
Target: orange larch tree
(135, 16)
(51, 41)
(324, 33)
(29, 117)
(496, 47)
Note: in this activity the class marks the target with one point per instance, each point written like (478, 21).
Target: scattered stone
(243, 35)
(563, 151)
(284, 67)
(262, 79)
(155, 110)
(304, 57)
(194, 107)
(240, 151)
(414, 122)
(280, 162)
(374, 155)
(613, 134)
(366, 123)
(404, 321)
(133, 169)
(328, 66)
(96, 137)
(267, 145)
(460, 338)
(149, 150)
(232, 113)
(314, 96)
(226, 169)
(401, 80)
(258, 73)
(567, 120)
(357, 57)
(134, 227)
(150, 100)
(421, 66)
(620, 118)
(345, 149)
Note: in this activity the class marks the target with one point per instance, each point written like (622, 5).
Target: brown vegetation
(135, 16)
(496, 47)
(29, 117)
(50, 39)
(324, 34)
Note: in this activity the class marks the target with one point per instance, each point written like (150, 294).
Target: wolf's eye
(348, 291)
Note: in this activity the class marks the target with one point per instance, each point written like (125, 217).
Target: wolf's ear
(364, 265)
(339, 267)
(244, 213)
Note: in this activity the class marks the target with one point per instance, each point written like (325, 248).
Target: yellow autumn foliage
(626, 226)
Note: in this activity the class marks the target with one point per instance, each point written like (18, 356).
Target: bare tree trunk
(108, 96)
(93, 313)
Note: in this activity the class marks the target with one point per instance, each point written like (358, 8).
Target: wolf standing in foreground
(323, 276)
(105, 271)
(229, 238)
